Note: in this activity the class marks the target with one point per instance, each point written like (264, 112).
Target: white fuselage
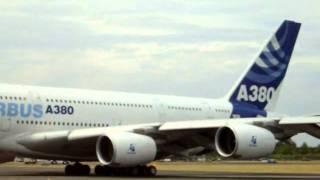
(35, 109)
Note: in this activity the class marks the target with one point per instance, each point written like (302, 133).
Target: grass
(299, 167)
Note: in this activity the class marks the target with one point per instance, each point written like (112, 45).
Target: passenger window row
(16, 98)
(184, 108)
(100, 103)
(53, 123)
(222, 110)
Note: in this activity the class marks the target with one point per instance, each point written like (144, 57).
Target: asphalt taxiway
(48, 172)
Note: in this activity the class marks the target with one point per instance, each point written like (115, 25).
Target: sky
(179, 47)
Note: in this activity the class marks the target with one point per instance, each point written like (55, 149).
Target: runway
(48, 172)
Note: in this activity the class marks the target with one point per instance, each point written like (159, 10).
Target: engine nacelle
(125, 149)
(244, 141)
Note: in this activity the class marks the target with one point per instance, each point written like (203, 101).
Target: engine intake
(105, 149)
(244, 141)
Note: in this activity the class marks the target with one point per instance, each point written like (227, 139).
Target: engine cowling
(125, 149)
(244, 141)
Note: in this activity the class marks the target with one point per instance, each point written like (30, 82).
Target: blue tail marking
(259, 85)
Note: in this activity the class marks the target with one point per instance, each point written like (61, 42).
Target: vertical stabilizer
(260, 84)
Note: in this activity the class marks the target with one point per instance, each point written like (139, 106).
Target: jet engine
(244, 141)
(125, 149)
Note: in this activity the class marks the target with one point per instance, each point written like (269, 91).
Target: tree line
(287, 151)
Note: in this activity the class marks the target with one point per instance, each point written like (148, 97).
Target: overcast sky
(189, 48)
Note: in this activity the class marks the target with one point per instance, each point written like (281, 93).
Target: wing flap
(299, 120)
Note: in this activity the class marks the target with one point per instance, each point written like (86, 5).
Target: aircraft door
(5, 124)
(160, 107)
(208, 110)
(35, 98)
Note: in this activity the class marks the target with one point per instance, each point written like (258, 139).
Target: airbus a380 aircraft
(126, 131)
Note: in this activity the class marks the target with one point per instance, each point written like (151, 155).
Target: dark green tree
(285, 149)
(304, 149)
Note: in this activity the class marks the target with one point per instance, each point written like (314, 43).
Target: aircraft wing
(282, 122)
(288, 126)
(175, 137)
(73, 142)
(299, 120)
(209, 123)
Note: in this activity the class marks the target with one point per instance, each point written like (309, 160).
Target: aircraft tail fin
(260, 84)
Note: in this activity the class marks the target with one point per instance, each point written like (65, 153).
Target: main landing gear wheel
(102, 170)
(77, 169)
(151, 171)
(146, 171)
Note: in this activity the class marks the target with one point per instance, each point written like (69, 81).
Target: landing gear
(148, 171)
(102, 170)
(151, 171)
(77, 169)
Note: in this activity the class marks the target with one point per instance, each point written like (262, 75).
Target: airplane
(125, 132)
